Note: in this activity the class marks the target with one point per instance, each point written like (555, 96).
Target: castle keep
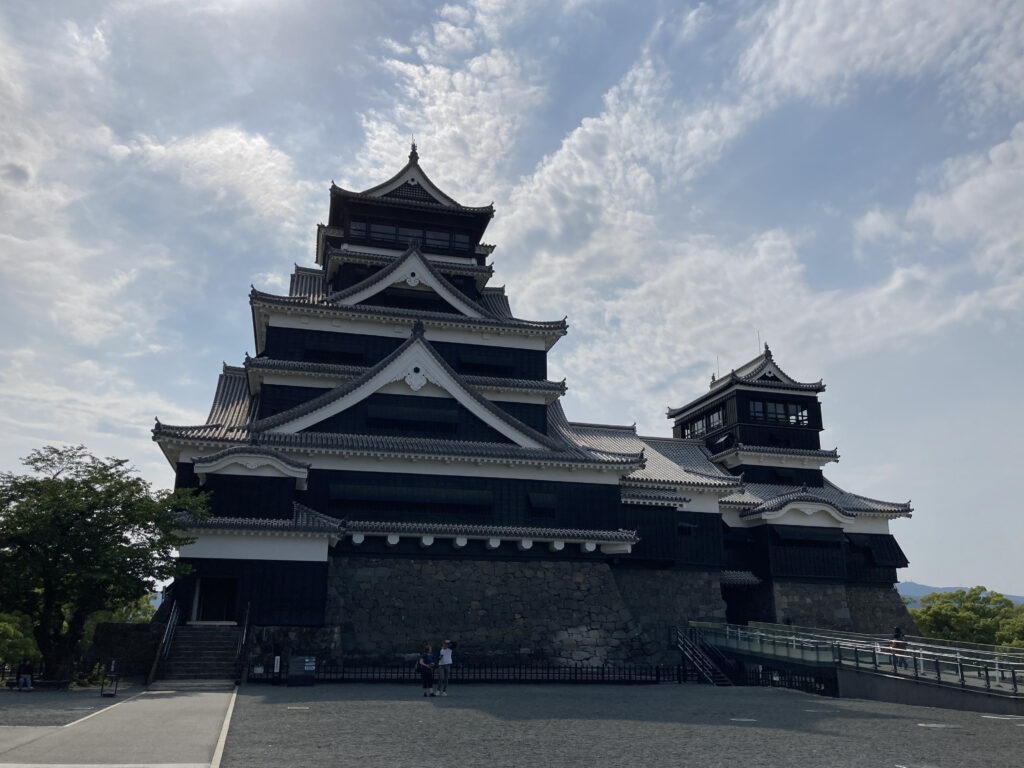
(393, 464)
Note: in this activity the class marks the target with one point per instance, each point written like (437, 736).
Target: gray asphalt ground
(497, 726)
(594, 726)
(135, 729)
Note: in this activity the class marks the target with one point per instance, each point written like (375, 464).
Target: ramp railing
(975, 667)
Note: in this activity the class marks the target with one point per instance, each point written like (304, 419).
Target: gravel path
(591, 725)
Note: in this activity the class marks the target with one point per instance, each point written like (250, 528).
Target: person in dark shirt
(426, 670)
(25, 675)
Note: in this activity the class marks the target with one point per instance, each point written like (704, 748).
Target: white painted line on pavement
(218, 753)
(104, 765)
(936, 725)
(105, 709)
(743, 719)
(297, 707)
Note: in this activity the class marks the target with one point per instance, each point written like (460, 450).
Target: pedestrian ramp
(911, 670)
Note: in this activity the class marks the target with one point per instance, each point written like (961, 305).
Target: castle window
(438, 239)
(793, 414)
(357, 230)
(461, 242)
(409, 236)
(715, 419)
(382, 232)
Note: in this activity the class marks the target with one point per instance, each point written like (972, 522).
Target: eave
(264, 305)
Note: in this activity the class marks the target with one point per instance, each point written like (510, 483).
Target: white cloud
(464, 118)
(819, 51)
(980, 203)
(91, 403)
(237, 168)
(692, 22)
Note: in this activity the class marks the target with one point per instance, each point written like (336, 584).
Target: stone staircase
(201, 653)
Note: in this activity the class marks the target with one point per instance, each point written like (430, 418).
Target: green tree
(80, 535)
(16, 638)
(973, 615)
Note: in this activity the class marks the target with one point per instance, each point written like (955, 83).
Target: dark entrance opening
(748, 602)
(217, 599)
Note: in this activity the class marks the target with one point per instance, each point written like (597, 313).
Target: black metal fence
(773, 677)
(627, 674)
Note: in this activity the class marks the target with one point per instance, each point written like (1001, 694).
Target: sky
(841, 179)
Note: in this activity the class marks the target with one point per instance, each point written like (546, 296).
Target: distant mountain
(917, 591)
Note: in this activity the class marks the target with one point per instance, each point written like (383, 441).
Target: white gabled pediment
(253, 464)
(414, 176)
(807, 513)
(413, 271)
(415, 368)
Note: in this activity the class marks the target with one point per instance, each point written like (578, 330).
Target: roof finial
(767, 352)
(418, 329)
(414, 156)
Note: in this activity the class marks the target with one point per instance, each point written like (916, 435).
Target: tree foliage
(80, 535)
(973, 615)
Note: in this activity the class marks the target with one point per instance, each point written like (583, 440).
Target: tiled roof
(349, 254)
(668, 462)
(232, 409)
(250, 450)
(416, 338)
(486, 531)
(351, 371)
(382, 275)
(832, 455)
(652, 496)
(739, 579)
(757, 498)
(754, 373)
(496, 302)
(307, 283)
(241, 431)
(303, 520)
(547, 328)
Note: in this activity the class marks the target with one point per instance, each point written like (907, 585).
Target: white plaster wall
(240, 547)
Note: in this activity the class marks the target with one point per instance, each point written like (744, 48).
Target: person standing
(426, 670)
(25, 675)
(444, 667)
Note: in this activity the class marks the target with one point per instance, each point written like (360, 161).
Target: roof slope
(668, 462)
(757, 498)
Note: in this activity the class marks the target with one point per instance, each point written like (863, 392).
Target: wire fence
(626, 674)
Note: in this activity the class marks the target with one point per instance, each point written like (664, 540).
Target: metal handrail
(241, 657)
(165, 642)
(245, 631)
(877, 654)
(1009, 653)
(699, 659)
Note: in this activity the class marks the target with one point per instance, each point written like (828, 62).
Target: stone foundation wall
(661, 599)
(812, 605)
(382, 610)
(497, 611)
(878, 610)
(853, 608)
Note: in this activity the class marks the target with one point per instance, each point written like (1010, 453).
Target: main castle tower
(393, 464)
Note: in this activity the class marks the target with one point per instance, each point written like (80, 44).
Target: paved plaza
(498, 726)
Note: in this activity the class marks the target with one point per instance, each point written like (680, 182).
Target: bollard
(988, 683)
